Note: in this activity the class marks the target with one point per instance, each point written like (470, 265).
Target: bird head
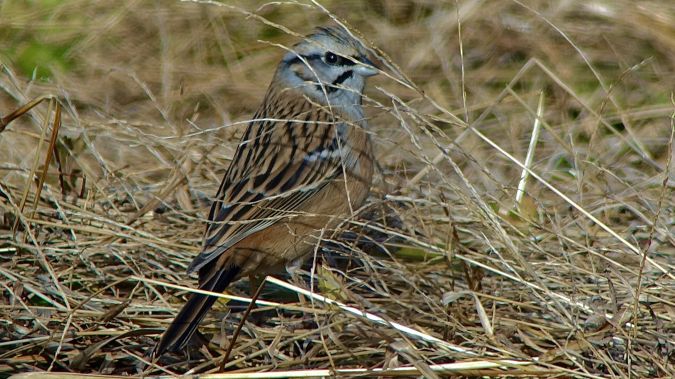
(329, 65)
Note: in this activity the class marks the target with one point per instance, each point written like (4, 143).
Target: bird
(304, 162)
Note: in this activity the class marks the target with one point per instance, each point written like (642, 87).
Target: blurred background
(154, 95)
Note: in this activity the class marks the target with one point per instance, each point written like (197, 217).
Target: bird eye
(331, 58)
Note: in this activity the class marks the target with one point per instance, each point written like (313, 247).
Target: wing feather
(278, 165)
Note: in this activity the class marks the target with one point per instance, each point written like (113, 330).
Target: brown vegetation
(574, 279)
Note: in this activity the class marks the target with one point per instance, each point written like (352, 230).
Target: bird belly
(271, 249)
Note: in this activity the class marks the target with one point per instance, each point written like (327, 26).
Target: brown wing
(282, 160)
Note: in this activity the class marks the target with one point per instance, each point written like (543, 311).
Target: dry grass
(576, 279)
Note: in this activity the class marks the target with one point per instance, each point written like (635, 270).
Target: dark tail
(185, 324)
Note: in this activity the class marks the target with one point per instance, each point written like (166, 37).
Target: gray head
(330, 66)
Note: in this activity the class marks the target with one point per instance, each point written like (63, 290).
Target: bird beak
(366, 67)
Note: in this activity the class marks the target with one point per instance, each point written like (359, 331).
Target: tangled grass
(566, 271)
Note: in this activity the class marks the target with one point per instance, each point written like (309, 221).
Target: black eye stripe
(293, 61)
(348, 61)
(341, 61)
(338, 60)
(298, 59)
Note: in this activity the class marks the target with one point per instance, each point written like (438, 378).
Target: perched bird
(304, 161)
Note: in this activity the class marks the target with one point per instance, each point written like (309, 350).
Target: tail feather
(185, 324)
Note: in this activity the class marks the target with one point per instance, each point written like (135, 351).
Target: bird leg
(226, 357)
